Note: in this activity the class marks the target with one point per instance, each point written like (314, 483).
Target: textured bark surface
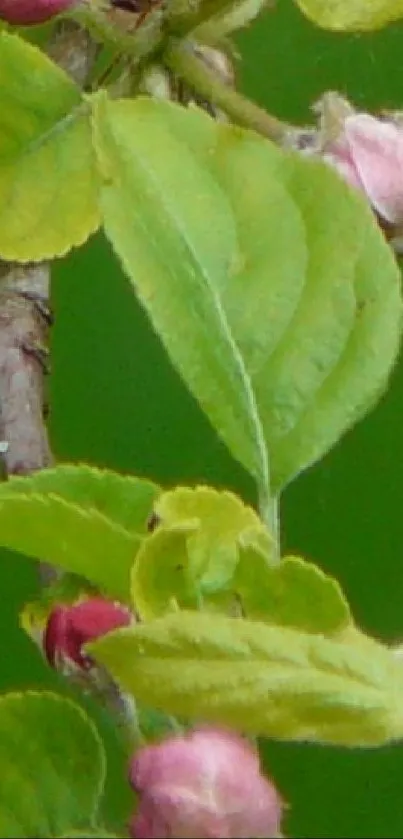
(24, 325)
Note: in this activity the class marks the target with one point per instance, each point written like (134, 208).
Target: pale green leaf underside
(352, 15)
(48, 180)
(172, 227)
(52, 766)
(125, 499)
(266, 680)
(314, 301)
(79, 540)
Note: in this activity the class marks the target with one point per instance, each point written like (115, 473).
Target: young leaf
(266, 680)
(352, 15)
(48, 180)
(194, 551)
(292, 593)
(82, 541)
(52, 766)
(318, 338)
(125, 499)
(216, 522)
(172, 227)
(161, 580)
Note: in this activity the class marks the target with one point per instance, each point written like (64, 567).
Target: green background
(116, 401)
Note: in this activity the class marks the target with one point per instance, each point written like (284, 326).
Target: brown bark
(24, 292)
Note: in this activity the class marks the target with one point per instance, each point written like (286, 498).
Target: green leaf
(261, 679)
(125, 499)
(194, 551)
(161, 580)
(172, 227)
(315, 303)
(48, 180)
(216, 522)
(350, 372)
(82, 541)
(52, 766)
(292, 593)
(352, 15)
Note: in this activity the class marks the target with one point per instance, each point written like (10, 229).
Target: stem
(139, 43)
(180, 58)
(183, 18)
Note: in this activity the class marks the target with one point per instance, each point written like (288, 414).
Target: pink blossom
(368, 153)
(27, 12)
(204, 784)
(70, 627)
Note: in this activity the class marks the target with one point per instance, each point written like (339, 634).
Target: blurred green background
(116, 401)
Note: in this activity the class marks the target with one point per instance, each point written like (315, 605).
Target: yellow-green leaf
(266, 680)
(81, 541)
(125, 499)
(194, 551)
(292, 593)
(48, 180)
(352, 15)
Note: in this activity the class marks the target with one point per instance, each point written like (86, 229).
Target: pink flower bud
(205, 784)
(70, 627)
(370, 156)
(27, 12)
(367, 152)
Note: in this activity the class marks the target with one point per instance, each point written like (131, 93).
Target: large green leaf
(172, 227)
(48, 181)
(52, 766)
(82, 541)
(314, 303)
(262, 679)
(352, 15)
(125, 499)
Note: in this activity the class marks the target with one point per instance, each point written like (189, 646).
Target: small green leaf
(266, 680)
(161, 580)
(82, 541)
(194, 551)
(352, 15)
(52, 766)
(48, 180)
(125, 499)
(216, 522)
(292, 593)
(318, 335)
(172, 227)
